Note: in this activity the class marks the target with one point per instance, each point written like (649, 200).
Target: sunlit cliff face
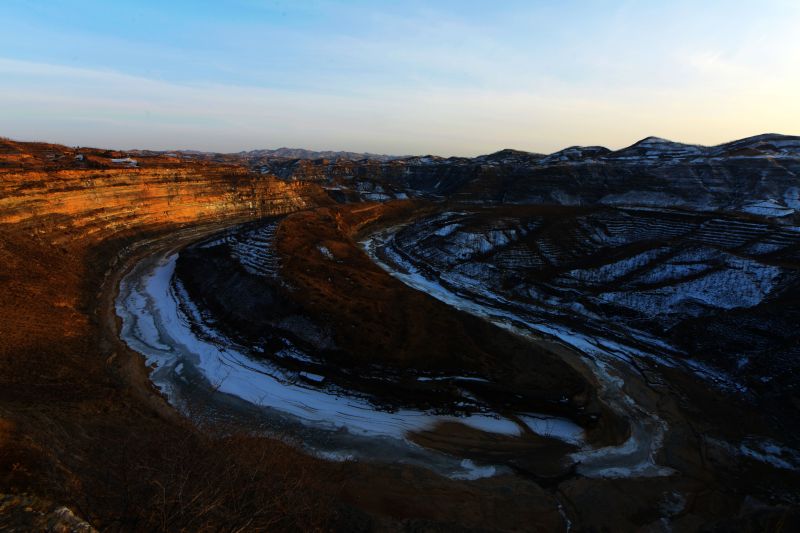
(62, 210)
(94, 193)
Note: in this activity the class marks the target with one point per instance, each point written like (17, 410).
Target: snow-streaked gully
(203, 373)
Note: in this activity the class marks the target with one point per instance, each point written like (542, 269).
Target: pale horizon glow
(413, 77)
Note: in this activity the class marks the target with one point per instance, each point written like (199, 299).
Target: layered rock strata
(79, 423)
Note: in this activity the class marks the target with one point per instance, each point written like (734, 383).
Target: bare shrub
(195, 482)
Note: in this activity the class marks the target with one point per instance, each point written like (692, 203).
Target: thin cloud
(411, 79)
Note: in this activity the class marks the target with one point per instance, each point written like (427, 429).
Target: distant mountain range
(649, 148)
(301, 153)
(757, 175)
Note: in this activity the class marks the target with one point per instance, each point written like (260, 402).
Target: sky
(399, 77)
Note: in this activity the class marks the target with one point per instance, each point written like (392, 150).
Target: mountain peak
(653, 148)
(652, 139)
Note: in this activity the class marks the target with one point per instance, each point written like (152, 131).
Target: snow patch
(472, 471)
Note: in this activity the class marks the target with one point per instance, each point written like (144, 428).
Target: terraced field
(713, 294)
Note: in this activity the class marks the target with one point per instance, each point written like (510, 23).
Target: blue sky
(446, 77)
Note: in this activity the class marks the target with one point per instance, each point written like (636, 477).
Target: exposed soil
(82, 426)
(704, 490)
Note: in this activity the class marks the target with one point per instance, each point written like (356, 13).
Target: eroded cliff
(79, 423)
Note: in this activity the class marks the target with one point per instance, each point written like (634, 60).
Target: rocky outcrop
(28, 513)
(110, 200)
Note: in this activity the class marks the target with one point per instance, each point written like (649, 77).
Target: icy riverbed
(637, 455)
(160, 322)
(188, 354)
(621, 360)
